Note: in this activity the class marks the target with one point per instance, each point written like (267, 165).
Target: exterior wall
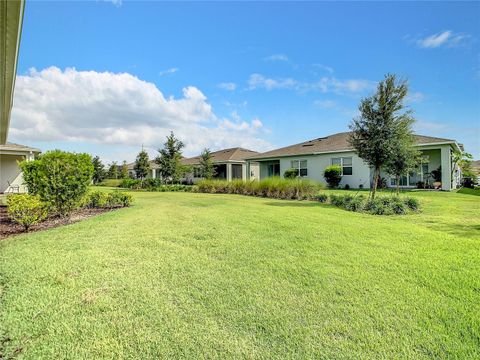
(191, 179)
(254, 171)
(10, 171)
(316, 164)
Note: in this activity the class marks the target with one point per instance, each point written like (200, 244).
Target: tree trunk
(398, 185)
(376, 173)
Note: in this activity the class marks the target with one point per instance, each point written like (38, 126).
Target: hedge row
(153, 185)
(381, 205)
(273, 187)
(28, 210)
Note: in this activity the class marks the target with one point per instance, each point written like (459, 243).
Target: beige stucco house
(313, 156)
(11, 179)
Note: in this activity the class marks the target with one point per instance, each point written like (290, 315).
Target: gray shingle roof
(17, 147)
(331, 143)
(225, 155)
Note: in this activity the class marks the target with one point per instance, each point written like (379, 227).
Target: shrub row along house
(310, 158)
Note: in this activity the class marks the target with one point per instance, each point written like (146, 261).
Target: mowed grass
(182, 275)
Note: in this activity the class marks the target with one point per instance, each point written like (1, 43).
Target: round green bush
(290, 173)
(333, 175)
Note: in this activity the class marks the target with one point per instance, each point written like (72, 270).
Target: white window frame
(342, 165)
(300, 168)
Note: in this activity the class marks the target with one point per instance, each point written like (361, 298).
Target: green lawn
(182, 275)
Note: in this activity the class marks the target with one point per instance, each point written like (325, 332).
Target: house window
(345, 164)
(197, 173)
(300, 166)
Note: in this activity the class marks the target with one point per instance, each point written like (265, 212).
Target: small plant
(337, 200)
(118, 199)
(96, 199)
(398, 206)
(355, 204)
(114, 199)
(347, 187)
(26, 210)
(412, 203)
(290, 173)
(333, 175)
(323, 198)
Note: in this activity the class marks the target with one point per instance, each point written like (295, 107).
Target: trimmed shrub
(111, 182)
(61, 179)
(398, 206)
(290, 173)
(323, 198)
(26, 210)
(114, 199)
(96, 199)
(386, 205)
(131, 183)
(355, 204)
(118, 199)
(412, 203)
(333, 175)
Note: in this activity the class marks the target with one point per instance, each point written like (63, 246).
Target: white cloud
(259, 81)
(276, 57)
(325, 104)
(115, 2)
(172, 70)
(326, 68)
(445, 38)
(230, 86)
(119, 110)
(324, 85)
(415, 97)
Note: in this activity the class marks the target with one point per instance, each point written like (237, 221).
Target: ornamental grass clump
(273, 187)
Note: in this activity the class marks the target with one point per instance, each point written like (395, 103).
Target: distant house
(229, 164)
(311, 157)
(11, 179)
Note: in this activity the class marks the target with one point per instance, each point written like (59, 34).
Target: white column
(446, 162)
(245, 171)
(153, 173)
(229, 172)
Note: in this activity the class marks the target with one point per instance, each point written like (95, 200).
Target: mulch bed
(9, 228)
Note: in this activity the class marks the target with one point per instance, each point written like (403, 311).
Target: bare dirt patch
(9, 228)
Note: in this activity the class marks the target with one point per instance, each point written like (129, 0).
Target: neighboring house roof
(333, 143)
(11, 17)
(11, 147)
(476, 166)
(226, 155)
(153, 165)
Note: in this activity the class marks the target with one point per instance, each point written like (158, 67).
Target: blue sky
(107, 77)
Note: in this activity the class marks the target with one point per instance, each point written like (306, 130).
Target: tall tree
(169, 160)
(98, 170)
(113, 170)
(142, 165)
(375, 131)
(207, 169)
(463, 160)
(405, 156)
(124, 170)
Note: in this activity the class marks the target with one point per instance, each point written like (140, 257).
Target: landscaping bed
(10, 228)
